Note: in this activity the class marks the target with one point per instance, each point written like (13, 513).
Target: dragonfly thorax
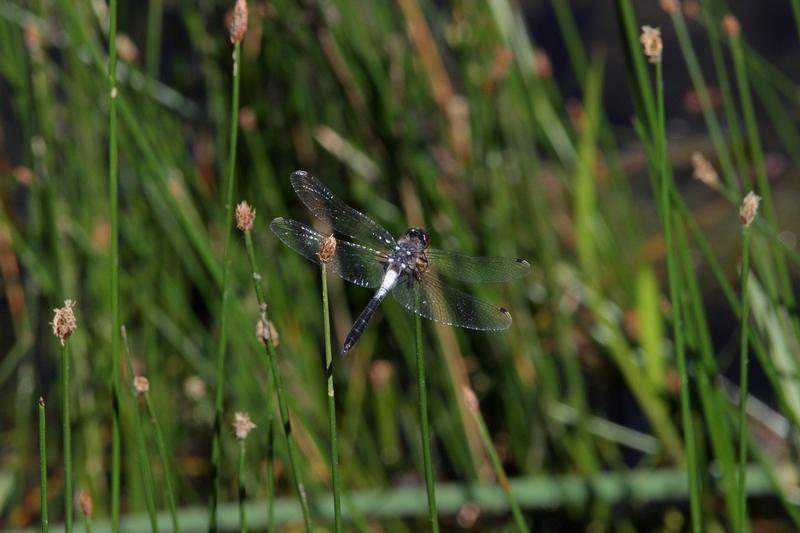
(408, 255)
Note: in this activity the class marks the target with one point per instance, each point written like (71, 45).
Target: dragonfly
(407, 267)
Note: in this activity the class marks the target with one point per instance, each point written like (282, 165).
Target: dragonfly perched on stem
(407, 267)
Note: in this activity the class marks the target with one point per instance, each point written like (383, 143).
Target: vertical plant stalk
(675, 297)
(743, 363)
(219, 381)
(337, 482)
(269, 348)
(42, 466)
(242, 490)
(423, 420)
(67, 430)
(113, 201)
(164, 457)
(497, 464)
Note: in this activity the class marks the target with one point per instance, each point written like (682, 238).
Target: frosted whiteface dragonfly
(407, 267)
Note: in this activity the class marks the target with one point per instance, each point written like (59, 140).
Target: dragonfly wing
(448, 305)
(330, 209)
(355, 263)
(477, 269)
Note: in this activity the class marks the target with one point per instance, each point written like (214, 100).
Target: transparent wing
(353, 262)
(330, 209)
(477, 269)
(448, 305)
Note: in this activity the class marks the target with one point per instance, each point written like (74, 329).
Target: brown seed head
(704, 170)
(127, 49)
(64, 322)
(85, 503)
(651, 43)
(242, 425)
(141, 384)
(245, 216)
(470, 398)
(238, 25)
(380, 373)
(328, 249)
(542, 64)
(749, 209)
(669, 6)
(691, 9)
(247, 118)
(731, 25)
(263, 334)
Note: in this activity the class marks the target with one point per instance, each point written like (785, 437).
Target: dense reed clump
(643, 162)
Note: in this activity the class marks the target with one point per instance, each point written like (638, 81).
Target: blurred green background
(505, 129)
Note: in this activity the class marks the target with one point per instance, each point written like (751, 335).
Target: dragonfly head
(419, 235)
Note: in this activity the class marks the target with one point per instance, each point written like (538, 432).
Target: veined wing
(330, 209)
(477, 269)
(448, 305)
(353, 262)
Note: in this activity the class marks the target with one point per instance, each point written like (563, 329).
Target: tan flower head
(245, 216)
(85, 503)
(651, 43)
(238, 26)
(141, 384)
(703, 170)
(328, 249)
(267, 332)
(242, 425)
(64, 322)
(749, 208)
(731, 25)
(669, 6)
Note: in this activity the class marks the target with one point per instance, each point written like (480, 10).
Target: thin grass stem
(675, 297)
(219, 382)
(242, 490)
(743, 363)
(423, 421)
(337, 482)
(43, 466)
(164, 458)
(67, 435)
(497, 464)
(113, 201)
(272, 360)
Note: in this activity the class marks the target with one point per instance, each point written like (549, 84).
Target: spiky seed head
(327, 249)
(651, 43)
(669, 6)
(141, 384)
(247, 118)
(64, 322)
(245, 216)
(242, 425)
(380, 373)
(267, 332)
(238, 27)
(703, 170)
(85, 503)
(731, 25)
(749, 209)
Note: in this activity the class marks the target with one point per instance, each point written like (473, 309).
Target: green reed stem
(43, 466)
(270, 471)
(164, 457)
(67, 432)
(743, 363)
(423, 420)
(337, 482)
(675, 297)
(242, 490)
(227, 223)
(145, 469)
(113, 201)
(497, 464)
(272, 359)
